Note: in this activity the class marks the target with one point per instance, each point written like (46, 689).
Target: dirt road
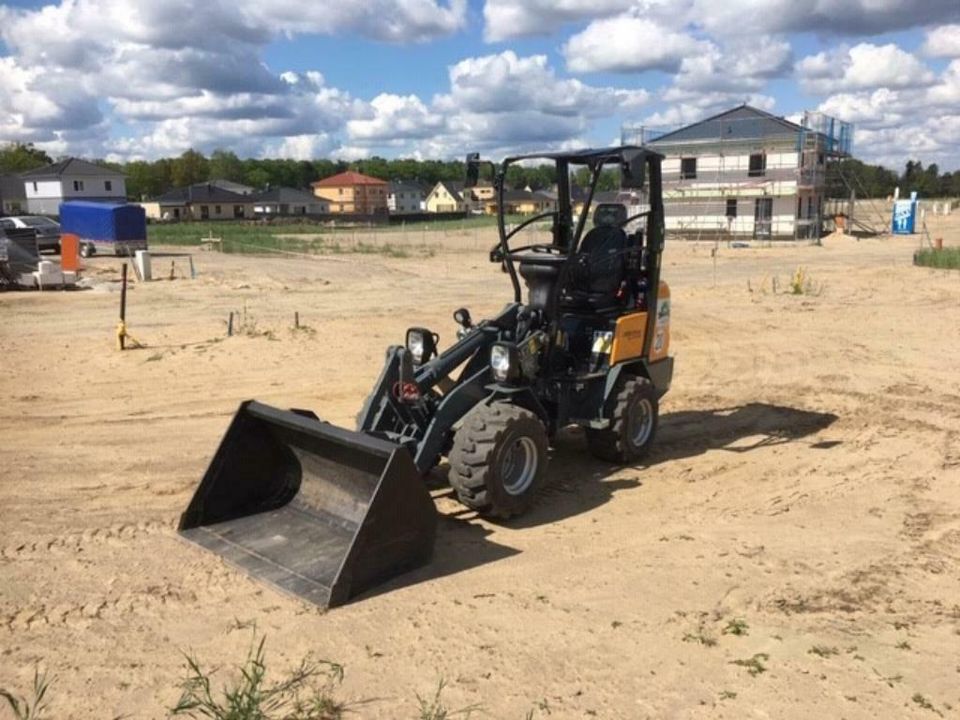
(791, 551)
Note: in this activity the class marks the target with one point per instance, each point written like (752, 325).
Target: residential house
(405, 198)
(71, 179)
(353, 193)
(745, 172)
(446, 197)
(203, 201)
(521, 202)
(287, 201)
(13, 197)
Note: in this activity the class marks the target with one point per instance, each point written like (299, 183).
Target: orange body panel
(628, 337)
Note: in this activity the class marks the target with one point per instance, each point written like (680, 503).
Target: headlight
(503, 362)
(415, 345)
(422, 344)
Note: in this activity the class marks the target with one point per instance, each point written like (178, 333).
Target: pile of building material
(49, 276)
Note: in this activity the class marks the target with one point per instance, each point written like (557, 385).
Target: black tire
(488, 448)
(633, 424)
(87, 250)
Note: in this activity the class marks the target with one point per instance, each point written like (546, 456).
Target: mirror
(473, 170)
(633, 169)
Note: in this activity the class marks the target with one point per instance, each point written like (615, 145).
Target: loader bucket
(315, 510)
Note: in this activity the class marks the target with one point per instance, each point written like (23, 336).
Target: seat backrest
(605, 247)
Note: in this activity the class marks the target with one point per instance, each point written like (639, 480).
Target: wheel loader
(327, 513)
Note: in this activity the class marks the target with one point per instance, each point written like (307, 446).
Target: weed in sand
(754, 665)
(902, 645)
(924, 703)
(306, 694)
(432, 708)
(823, 650)
(945, 258)
(736, 626)
(727, 695)
(24, 709)
(700, 637)
(802, 284)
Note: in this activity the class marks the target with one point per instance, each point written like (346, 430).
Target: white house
(405, 197)
(71, 179)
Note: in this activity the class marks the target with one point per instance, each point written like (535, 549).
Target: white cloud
(742, 66)
(630, 44)
(825, 17)
(862, 67)
(943, 41)
(505, 19)
(393, 118)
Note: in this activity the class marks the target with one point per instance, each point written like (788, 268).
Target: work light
(503, 362)
(422, 344)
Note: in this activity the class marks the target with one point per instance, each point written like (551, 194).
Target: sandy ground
(805, 482)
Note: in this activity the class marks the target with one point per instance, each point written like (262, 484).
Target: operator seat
(600, 263)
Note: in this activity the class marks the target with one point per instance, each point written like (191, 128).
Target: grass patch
(736, 626)
(754, 665)
(945, 259)
(432, 707)
(35, 708)
(305, 694)
(823, 651)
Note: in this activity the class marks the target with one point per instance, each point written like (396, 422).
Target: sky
(304, 79)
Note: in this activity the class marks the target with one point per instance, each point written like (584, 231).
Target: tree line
(150, 179)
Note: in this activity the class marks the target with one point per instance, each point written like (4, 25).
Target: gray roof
(740, 123)
(406, 186)
(232, 186)
(201, 193)
(71, 166)
(286, 195)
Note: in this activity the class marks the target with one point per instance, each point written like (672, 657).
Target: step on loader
(326, 513)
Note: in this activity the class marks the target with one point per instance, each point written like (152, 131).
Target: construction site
(748, 175)
(791, 541)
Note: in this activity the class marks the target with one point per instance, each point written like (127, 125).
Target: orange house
(353, 192)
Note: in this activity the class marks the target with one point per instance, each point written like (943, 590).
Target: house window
(204, 212)
(216, 209)
(238, 211)
(108, 185)
(339, 191)
(688, 168)
(758, 165)
(731, 207)
(820, 159)
(78, 185)
(35, 187)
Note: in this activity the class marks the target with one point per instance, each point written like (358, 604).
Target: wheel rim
(641, 422)
(519, 466)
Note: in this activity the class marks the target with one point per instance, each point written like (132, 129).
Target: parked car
(48, 231)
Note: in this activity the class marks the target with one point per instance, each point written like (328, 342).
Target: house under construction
(746, 173)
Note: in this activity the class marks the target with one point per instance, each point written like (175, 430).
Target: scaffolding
(745, 173)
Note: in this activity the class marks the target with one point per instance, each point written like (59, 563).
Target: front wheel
(633, 424)
(87, 250)
(499, 459)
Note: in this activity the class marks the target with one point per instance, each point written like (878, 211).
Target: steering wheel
(539, 254)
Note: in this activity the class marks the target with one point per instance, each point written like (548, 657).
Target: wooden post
(122, 327)
(193, 273)
(230, 325)
(296, 320)
(173, 269)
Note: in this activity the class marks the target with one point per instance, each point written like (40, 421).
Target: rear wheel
(86, 250)
(633, 424)
(499, 459)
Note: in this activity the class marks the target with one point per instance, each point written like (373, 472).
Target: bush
(946, 259)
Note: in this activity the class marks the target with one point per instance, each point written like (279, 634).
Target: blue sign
(905, 216)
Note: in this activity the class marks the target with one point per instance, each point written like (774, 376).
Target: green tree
(190, 168)
(20, 157)
(225, 165)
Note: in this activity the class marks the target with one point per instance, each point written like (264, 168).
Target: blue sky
(434, 78)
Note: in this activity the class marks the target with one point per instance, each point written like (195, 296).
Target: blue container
(121, 228)
(905, 216)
